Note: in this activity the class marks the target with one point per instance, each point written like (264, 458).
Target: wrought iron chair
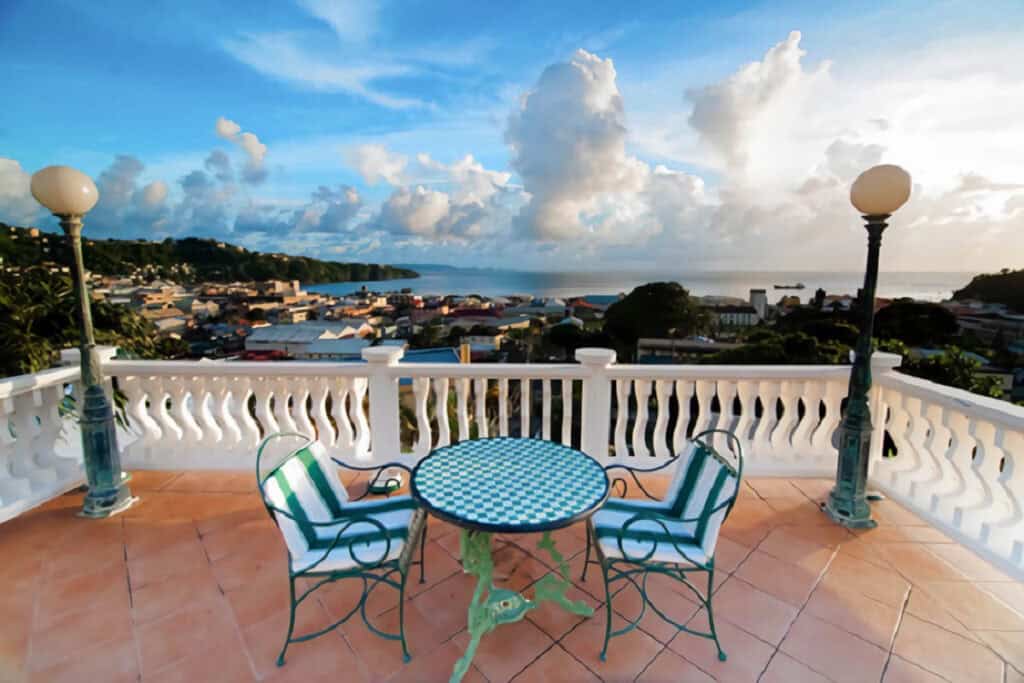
(331, 537)
(674, 536)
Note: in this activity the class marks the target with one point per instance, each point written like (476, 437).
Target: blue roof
(438, 355)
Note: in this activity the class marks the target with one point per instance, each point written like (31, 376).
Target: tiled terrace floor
(190, 586)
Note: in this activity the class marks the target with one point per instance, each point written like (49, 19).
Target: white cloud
(328, 211)
(375, 163)
(255, 151)
(17, 205)
(352, 20)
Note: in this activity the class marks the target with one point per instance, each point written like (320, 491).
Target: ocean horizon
(929, 286)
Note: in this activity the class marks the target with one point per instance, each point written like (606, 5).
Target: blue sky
(601, 135)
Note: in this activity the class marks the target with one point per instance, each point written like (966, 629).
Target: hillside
(1004, 287)
(207, 260)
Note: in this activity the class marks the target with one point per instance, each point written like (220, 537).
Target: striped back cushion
(700, 485)
(307, 486)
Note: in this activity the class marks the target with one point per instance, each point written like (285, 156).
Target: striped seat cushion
(306, 485)
(702, 482)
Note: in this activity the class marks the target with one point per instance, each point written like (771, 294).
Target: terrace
(190, 583)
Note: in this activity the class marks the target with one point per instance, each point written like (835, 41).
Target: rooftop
(190, 585)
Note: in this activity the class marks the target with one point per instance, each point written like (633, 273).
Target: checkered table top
(510, 485)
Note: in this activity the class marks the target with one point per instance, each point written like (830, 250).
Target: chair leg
(607, 612)
(401, 620)
(586, 558)
(711, 616)
(291, 620)
(423, 549)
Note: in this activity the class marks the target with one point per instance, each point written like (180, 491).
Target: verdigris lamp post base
(492, 606)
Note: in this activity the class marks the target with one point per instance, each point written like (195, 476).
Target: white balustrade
(40, 446)
(958, 462)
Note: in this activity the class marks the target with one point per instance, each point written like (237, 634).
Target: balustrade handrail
(20, 384)
(188, 368)
(729, 372)
(974, 405)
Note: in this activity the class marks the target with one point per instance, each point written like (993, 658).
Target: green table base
(503, 606)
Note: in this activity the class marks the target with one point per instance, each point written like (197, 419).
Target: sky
(531, 135)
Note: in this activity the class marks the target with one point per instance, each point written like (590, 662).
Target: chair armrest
(660, 520)
(376, 478)
(348, 523)
(632, 472)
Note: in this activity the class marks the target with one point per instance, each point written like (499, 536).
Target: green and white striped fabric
(306, 485)
(702, 483)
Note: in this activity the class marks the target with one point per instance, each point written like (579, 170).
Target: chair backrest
(304, 484)
(704, 487)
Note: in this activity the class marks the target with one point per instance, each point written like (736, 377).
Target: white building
(296, 339)
(759, 300)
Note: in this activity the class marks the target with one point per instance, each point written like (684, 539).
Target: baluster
(821, 439)
(567, 411)
(622, 387)
(300, 406)
(282, 410)
(684, 393)
(263, 392)
(221, 397)
(984, 473)
(726, 413)
(357, 409)
(924, 481)
(444, 432)
(201, 402)
(503, 406)
(705, 391)
(137, 390)
(761, 442)
(801, 436)
(957, 457)
(25, 463)
(642, 392)
(13, 486)
(663, 395)
(746, 391)
(325, 433)
(345, 440)
(1007, 534)
(462, 407)
(182, 406)
(545, 412)
(524, 407)
(421, 391)
(480, 394)
(237, 406)
(782, 446)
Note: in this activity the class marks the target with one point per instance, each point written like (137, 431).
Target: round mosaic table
(509, 485)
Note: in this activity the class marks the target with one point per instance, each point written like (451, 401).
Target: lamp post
(876, 193)
(69, 195)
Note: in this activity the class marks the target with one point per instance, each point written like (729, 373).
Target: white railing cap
(882, 360)
(595, 356)
(73, 356)
(384, 355)
(20, 384)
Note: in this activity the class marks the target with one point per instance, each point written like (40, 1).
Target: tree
(916, 323)
(1004, 287)
(256, 315)
(657, 309)
(952, 368)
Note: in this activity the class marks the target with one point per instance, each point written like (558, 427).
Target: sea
(928, 286)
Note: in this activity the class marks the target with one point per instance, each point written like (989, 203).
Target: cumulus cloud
(329, 210)
(255, 151)
(17, 205)
(127, 208)
(219, 164)
(376, 163)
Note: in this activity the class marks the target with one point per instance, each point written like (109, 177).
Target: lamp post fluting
(70, 194)
(877, 193)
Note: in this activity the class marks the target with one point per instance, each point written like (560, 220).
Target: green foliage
(951, 368)
(916, 323)
(208, 260)
(657, 309)
(39, 316)
(1004, 287)
(771, 348)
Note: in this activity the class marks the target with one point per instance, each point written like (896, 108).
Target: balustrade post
(595, 414)
(385, 436)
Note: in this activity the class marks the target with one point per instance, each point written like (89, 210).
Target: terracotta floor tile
(900, 670)
(554, 620)
(917, 563)
(114, 661)
(763, 615)
(1010, 594)
(747, 655)
(855, 612)
(729, 554)
(145, 481)
(891, 512)
(628, 654)
(1008, 644)
(977, 609)
(865, 551)
(831, 651)
(882, 585)
(792, 583)
(1014, 676)
(225, 662)
(827, 535)
(922, 606)
(892, 533)
(181, 558)
(786, 544)
(594, 583)
(797, 512)
(436, 665)
(554, 666)
(439, 565)
(212, 481)
(102, 587)
(815, 489)
(155, 600)
(381, 658)
(967, 563)
(945, 653)
(165, 641)
(145, 537)
(785, 669)
(241, 540)
(668, 598)
(253, 603)
(668, 667)
(507, 650)
(767, 487)
(75, 632)
(235, 571)
(231, 518)
(446, 605)
(263, 641)
(515, 570)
